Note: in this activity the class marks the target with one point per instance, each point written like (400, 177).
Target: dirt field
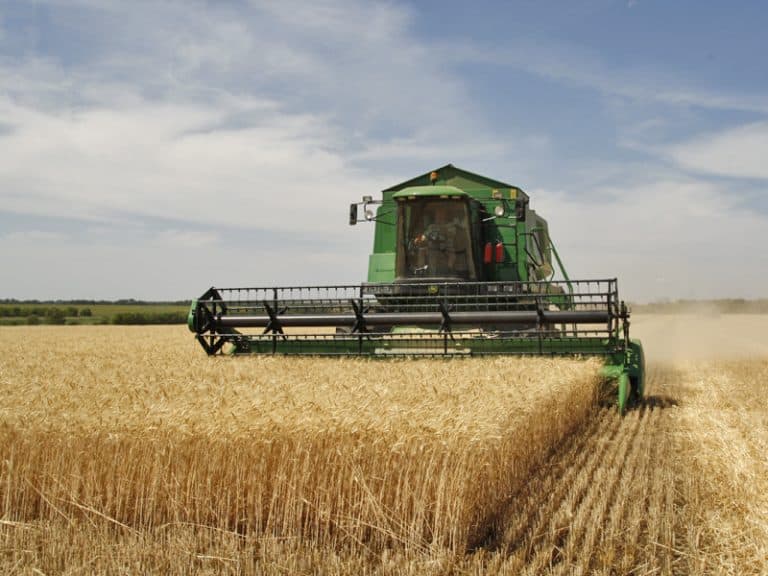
(678, 486)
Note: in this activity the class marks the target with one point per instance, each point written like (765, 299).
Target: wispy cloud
(738, 152)
(578, 66)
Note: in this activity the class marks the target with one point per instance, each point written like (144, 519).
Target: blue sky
(150, 150)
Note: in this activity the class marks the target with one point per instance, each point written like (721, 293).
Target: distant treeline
(150, 318)
(129, 311)
(722, 306)
(120, 302)
(44, 311)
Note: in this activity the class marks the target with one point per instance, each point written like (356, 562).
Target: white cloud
(254, 120)
(175, 160)
(738, 152)
(685, 231)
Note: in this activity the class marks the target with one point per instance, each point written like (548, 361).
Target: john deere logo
(433, 290)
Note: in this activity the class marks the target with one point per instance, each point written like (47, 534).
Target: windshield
(434, 240)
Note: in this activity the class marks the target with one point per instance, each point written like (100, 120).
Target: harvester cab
(443, 232)
(461, 266)
(434, 241)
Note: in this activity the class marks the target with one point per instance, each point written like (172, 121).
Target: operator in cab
(441, 247)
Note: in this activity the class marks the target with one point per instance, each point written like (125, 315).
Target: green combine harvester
(461, 266)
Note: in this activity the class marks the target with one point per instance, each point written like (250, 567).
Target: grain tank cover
(449, 176)
(430, 191)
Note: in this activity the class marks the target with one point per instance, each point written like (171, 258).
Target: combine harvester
(461, 266)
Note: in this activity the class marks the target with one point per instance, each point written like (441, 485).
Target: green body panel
(623, 391)
(628, 370)
(381, 267)
(449, 175)
(430, 192)
(635, 364)
(411, 341)
(191, 317)
(384, 239)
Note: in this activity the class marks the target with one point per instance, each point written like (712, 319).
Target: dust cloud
(686, 337)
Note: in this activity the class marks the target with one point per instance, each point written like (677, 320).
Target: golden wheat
(137, 429)
(724, 436)
(127, 450)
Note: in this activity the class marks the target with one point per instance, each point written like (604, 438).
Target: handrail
(557, 258)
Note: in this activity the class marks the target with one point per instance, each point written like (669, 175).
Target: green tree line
(14, 315)
(44, 311)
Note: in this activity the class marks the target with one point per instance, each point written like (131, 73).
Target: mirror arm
(353, 211)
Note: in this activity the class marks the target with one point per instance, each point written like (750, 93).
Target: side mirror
(352, 214)
(520, 206)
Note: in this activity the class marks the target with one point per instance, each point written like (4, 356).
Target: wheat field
(127, 450)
